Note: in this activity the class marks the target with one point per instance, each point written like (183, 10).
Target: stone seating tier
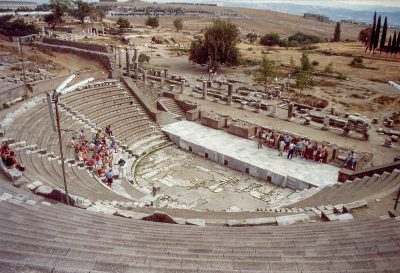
(366, 188)
(55, 238)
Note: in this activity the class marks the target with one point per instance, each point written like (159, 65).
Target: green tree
(143, 58)
(178, 24)
(267, 72)
(377, 33)
(82, 10)
(389, 46)
(336, 35)
(365, 35)
(198, 52)
(58, 8)
(372, 40)
(305, 63)
(393, 46)
(304, 79)
(152, 21)
(383, 38)
(123, 23)
(219, 46)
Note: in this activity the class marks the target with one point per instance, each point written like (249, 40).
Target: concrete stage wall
(242, 154)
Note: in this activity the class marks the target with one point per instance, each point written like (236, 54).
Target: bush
(152, 21)
(252, 37)
(272, 39)
(329, 68)
(315, 63)
(357, 60)
(143, 58)
(304, 39)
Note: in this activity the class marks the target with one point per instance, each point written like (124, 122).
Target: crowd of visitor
(293, 146)
(299, 147)
(98, 153)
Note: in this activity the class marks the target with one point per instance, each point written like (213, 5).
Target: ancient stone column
(136, 71)
(230, 93)
(103, 31)
(326, 122)
(135, 54)
(290, 110)
(182, 86)
(166, 72)
(273, 113)
(258, 107)
(43, 32)
(145, 76)
(205, 90)
(119, 57)
(128, 69)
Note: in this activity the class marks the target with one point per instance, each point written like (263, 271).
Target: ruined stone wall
(81, 45)
(106, 59)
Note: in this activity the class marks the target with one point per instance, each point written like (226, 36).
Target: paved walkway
(246, 151)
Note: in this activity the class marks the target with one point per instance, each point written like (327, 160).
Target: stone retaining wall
(81, 45)
(106, 59)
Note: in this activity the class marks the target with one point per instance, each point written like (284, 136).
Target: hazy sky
(355, 4)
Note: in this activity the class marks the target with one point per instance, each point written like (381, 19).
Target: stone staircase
(171, 106)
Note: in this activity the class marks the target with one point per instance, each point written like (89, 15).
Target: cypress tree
(371, 42)
(377, 33)
(394, 44)
(388, 47)
(383, 38)
(336, 36)
(398, 45)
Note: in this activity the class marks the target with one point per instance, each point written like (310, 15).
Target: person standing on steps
(122, 170)
(292, 146)
(109, 177)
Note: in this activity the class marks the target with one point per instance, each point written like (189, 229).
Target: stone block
(292, 219)
(354, 205)
(260, 221)
(45, 203)
(193, 115)
(44, 190)
(233, 223)
(131, 214)
(5, 196)
(196, 222)
(31, 202)
(106, 209)
(338, 208)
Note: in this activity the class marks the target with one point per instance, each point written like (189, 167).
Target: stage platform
(242, 154)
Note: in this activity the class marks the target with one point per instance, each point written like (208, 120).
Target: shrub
(315, 63)
(329, 68)
(143, 58)
(304, 39)
(272, 39)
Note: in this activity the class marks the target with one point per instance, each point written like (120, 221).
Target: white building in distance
(14, 5)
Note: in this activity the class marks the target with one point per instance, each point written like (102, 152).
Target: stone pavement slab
(242, 154)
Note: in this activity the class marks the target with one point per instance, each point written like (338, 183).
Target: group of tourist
(303, 147)
(294, 146)
(98, 153)
(8, 157)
